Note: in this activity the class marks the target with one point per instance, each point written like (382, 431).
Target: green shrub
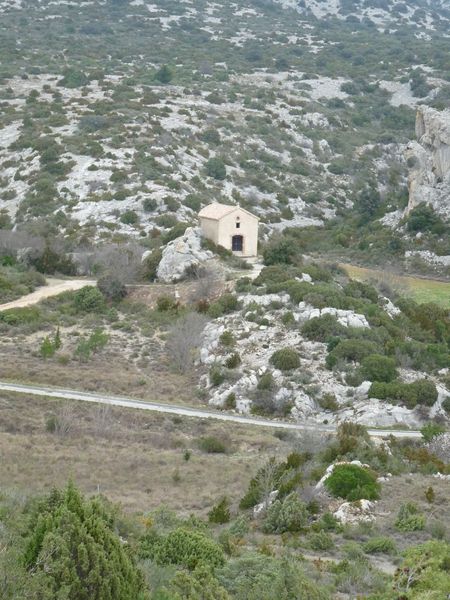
(94, 343)
(166, 304)
(164, 74)
(288, 514)
(266, 381)
(230, 401)
(129, 217)
(216, 375)
(429, 562)
(351, 350)
(47, 348)
(227, 303)
(151, 263)
(353, 482)
(20, 316)
(188, 549)
(321, 329)
(285, 359)
(227, 339)
(233, 361)
(281, 251)
(431, 430)
(321, 541)
(328, 402)
(380, 545)
(89, 299)
(212, 445)
(220, 513)
(422, 391)
(215, 167)
(446, 405)
(377, 367)
(409, 518)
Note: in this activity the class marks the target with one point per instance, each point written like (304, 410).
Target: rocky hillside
(127, 117)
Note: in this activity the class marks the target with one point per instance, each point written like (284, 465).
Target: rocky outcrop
(429, 161)
(181, 255)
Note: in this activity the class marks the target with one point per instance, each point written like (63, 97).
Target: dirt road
(53, 288)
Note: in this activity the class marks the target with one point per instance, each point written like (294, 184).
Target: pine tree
(57, 341)
(74, 552)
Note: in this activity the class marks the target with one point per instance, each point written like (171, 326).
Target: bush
(429, 562)
(282, 251)
(227, 303)
(215, 167)
(112, 288)
(321, 541)
(20, 316)
(328, 402)
(227, 339)
(216, 375)
(212, 445)
(285, 359)
(409, 518)
(166, 304)
(89, 299)
(164, 74)
(288, 514)
(431, 430)
(220, 513)
(266, 381)
(354, 350)
(88, 346)
(353, 482)
(151, 263)
(129, 217)
(188, 549)
(382, 545)
(321, 329)
(377, 367)
(422, 391)
(233, 361)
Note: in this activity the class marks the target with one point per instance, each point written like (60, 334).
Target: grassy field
(138, 460)
(420, 289)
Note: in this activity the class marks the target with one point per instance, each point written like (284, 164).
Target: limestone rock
(355, 512)
(429, 160)
(182, 254)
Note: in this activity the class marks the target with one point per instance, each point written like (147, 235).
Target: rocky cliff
(429, 161)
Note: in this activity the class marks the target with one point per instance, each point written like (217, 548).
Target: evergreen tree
(74, 553)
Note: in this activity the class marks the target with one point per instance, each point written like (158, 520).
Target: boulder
(181, 255)
(429, 161)
(355, 512)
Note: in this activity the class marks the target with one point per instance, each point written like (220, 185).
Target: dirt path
(53, 288)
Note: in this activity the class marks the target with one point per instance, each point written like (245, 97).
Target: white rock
(355, 512)
(260, 508)
(182, 254)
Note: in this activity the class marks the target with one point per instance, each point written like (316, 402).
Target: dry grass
(119, 369)
(133, 460)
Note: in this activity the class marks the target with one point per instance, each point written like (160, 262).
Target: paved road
(52, 288)
(185, 411)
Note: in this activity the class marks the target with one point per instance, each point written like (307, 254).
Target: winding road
(185, 411)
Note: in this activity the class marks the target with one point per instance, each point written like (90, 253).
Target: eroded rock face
(429, 161)
(181, 255)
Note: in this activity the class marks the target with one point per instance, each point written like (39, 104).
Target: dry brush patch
(134, 458)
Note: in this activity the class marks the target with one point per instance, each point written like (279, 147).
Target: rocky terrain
(429, 157)
(120, 138)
